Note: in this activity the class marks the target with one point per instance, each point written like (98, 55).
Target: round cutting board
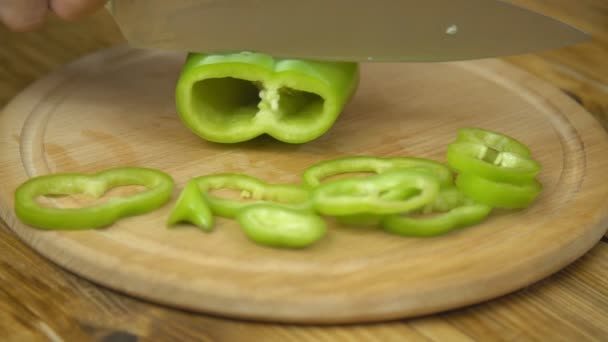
(116, 108)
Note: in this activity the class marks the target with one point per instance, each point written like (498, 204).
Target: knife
(343, 30)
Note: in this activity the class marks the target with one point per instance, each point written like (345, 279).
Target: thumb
(74, 9)
(23, 15)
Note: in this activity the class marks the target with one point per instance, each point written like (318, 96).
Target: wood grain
(581, 70)
(40, 300)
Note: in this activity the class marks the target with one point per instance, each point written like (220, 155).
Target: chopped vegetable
(391, 192)
(494, 169)
(253, 190)
(405, 196)
(455, 211)
(159, 188)
(498, 194)
(192, 207)
(237, 97)
(497, 141)
(487, 162)
(278, 226)
(314, 175)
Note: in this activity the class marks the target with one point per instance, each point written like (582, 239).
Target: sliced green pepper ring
(498, 194)
(367, 219)
(447, 199)
(494, 140)
(484, 161)
(159, 188)
(278, 226)
(292, 196)
(314, 175)
(459, 217)
(454, 211)
(236, 97)
(353, 196)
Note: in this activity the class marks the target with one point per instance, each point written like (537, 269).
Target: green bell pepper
(497, 141)
(192, 207)
(237, 97)
(252, 190)
(159, 188)
(455, 211)
(278, 226)
(314, 175)
(391, 192)
(487, 162)
(498, 194)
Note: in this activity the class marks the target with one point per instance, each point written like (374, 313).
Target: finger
(23, 15)
(74, 9)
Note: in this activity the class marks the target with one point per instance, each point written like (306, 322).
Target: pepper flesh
(159, 188)
(455, 211)
(373, 195)
(314, 174)
(237, 97)
(278, 226)
(498, 194)
(484, 161)
(497, 141)
(292, 196)
(192, 207)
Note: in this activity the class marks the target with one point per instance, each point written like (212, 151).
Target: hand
(25, 15)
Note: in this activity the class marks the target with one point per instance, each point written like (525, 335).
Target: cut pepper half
(159, 188)
(237, 97)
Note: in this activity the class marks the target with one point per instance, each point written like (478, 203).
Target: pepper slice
(314, 174)
(498, 194)
(373, 195)
(237, 97)
(487, 162)
(497, 141)
(278, 226)
(192, 207)
(159, 188)
(456, 211)
(251, 188)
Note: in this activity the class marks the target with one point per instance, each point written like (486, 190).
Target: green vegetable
(192, 207)
(159, 188)
(497, 141)
(487, 162)
(392, 192)
(314, 174)
(252, 191)
(498, 194)
(278, 226)
(237, 97)
(456, 211)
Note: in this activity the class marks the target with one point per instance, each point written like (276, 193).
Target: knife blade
(344, 30)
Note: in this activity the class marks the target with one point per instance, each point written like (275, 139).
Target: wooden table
(39, 301)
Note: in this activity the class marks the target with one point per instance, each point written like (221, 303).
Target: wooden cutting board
(116, 108)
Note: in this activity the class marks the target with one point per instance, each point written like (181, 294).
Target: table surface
(39, 301)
